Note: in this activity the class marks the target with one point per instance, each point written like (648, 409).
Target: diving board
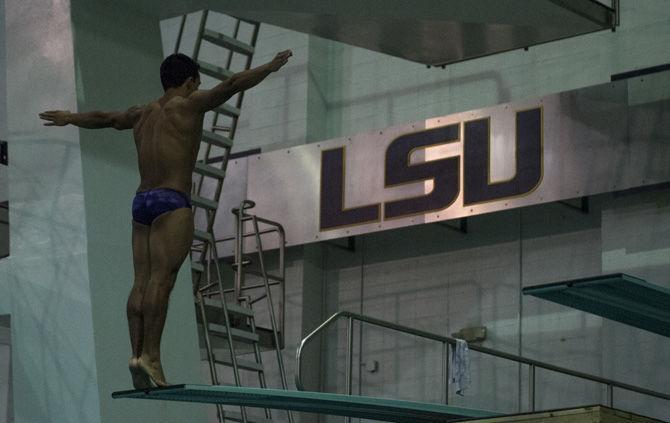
(381, 409)
(618, 297)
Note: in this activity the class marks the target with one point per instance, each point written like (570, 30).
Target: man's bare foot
(153, 369)
(140, 378)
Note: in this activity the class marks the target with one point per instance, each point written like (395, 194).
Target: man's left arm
(93, 120)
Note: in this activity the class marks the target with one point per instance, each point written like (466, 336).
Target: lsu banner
(557, 147)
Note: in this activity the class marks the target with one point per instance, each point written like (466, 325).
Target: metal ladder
(204, 200)
(226, 314)
(234, 322)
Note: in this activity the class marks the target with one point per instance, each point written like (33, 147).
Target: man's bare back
(167, 135)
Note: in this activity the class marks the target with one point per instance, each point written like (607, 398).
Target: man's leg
(169, 243)
(142, 267)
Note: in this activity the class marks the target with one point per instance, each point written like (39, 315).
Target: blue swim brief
(148, 205)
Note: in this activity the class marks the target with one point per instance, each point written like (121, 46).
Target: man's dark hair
(176, 69)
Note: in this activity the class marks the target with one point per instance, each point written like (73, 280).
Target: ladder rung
(204, 203)
(203, 236)
(227, 42)
(216, 139)
(237, 334)
(228, 110)
(214, 71)
(210, 171)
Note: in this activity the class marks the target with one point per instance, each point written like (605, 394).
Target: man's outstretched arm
(206, 100)
(93, 120)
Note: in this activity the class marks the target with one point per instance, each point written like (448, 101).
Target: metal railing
(446, 343)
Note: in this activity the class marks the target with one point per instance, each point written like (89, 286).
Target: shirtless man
(167, 135)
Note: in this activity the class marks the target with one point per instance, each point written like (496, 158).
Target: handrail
(448, 341)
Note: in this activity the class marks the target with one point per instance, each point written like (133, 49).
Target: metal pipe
(445, 370)
(239, 250)
(610, 395)
(259, 359)
(268, 293)
(350, 357)
(350, 354)
(208, 341)
(531, 387)
(452, 342)
(233, 358)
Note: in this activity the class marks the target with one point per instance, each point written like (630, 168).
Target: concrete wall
(436, 279)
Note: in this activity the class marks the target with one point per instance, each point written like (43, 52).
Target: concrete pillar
(46, 288)
(118, 55)
(69, 272)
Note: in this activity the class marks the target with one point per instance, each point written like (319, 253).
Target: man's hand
(280, 60)
(56, 117)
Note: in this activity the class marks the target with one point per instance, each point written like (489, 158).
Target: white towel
(459, 368)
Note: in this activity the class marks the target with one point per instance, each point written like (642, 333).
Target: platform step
(228, 110)
(214, 71)
(204, 203)
(211, 171)
(225, 41)
(216, 139)
(237, 334)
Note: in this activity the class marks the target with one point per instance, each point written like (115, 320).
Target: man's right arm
(206, 100)
(93, 120)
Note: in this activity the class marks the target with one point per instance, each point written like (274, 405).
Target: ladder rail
(229, 338)
(240, 287)
(180, 34)
(241, 219)
(208, 347)
(268, 293)
(259, 359)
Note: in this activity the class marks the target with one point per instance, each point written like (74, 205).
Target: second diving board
(381, 409)
(618, 296)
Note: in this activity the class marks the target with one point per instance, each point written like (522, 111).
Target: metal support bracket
(583, 206)
(460, 226)
(350, 244)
